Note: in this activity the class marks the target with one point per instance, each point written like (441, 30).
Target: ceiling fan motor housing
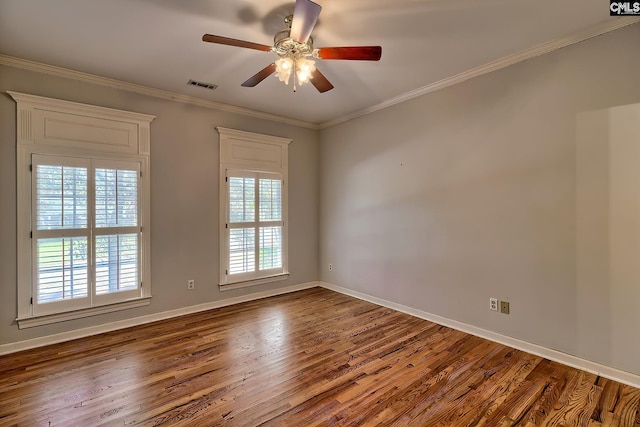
(286, 47)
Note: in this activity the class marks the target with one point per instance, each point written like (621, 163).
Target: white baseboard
(557, 356)
(99, 329)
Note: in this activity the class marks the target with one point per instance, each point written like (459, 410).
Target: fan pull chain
(295, 68)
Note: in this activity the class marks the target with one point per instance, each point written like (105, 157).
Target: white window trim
(61, 128)
(257, 153)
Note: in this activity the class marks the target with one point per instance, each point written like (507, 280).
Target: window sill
(32, 321)
(254, 282)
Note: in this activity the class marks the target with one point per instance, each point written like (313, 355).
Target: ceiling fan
(294, 46)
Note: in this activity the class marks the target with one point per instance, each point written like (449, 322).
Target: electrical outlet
(191, 284)
(493, 304)
(330, 267)
(504, 307)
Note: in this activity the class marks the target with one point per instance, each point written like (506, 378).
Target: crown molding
(593, 31)
(26, 64)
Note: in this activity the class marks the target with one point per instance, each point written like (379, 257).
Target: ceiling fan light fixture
(302, 67)
(284, 66)
(304, 70)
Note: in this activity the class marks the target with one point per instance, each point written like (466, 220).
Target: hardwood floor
(310, 358)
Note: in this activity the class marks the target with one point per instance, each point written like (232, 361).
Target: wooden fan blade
(305, 16)
(260, 76)
(234, 42)
(359, 53)
(320, 82)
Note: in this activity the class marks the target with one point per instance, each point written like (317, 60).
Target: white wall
(184, 198)
(475, 191)
(608, 229)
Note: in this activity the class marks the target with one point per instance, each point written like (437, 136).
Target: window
(86, 232)
(253, 208)
(83, 210)
(255, 224)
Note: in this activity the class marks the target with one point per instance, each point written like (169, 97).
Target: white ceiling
(157, 43)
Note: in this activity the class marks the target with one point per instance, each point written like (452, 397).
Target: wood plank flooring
(310, 358)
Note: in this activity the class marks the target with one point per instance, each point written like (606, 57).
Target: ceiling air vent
(209, 86)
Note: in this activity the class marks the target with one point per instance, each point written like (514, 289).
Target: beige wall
(474, 191)
(184, 198)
